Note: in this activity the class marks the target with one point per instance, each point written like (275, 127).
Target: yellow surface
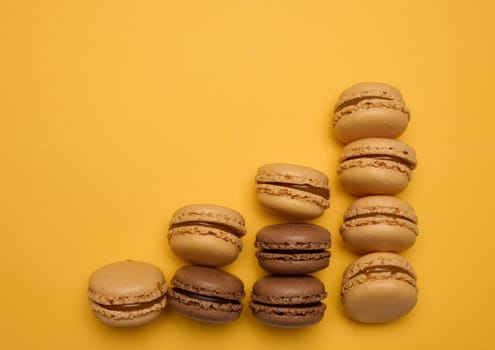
(115, 113)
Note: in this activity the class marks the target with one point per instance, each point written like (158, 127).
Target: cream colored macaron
(370, 109)
(379, 223)
(206, 234)
(127, 293)
(292, 191)
(379, 287)
(376, 166)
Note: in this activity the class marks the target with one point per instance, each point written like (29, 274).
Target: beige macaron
(206, 234)
(379, 287)
(376, 166)
(127, 293)
(292, 191)
(379, 223)
(370, 109)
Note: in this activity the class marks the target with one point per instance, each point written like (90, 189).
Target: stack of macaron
(380, 286)
(289, 296)
(206, 236)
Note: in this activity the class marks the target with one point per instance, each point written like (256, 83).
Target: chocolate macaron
(293, 248)
(206, 294)
(288, 301)
(127, 293)
(370, 109)
(379, 223)
(206, 234)
(292, 191)
(379, 287)
(376, 166)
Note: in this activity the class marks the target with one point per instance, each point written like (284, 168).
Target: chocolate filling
(376, 215)
(319, 191)
(383, 268)
(313, 304)
(218, 226)
(294, 251)
(205, 297)
(356, 100)
(395, 159)
(133, 307)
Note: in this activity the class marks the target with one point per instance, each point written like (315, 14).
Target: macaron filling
(133, 306)
(380, 215)
(209, 224)
(319, 191)
(209, 298)
(356, 100)
(367, 271)
(390, 158)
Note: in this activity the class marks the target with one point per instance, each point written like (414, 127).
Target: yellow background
(115, 113)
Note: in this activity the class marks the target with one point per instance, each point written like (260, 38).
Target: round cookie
(379, 223)
(206, 294)
(379, 287)
(376, 166)
(206, 234)
(292, 191)
(288, 301)
(293, 248)
(370, 109)
(127, 293)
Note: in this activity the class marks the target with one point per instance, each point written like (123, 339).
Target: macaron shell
(205, 311)
(288, 317)
(290, 203)
(365, 89)
(205, 249)
(381, 205)
(378, 237)
(379, 301)
(127, 319)
(291, 174)
(293, 264)
(369, 177)
(301, 236)
(288, 290)
(210, 213)
(380, 118)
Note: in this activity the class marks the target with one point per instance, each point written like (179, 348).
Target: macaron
(206, 294)
(292, 191)
(127, 293)
(379, 223)
(288, 301)
(379, 287)
(376, 166)
(206, 234)
(370, 109)
(293, 248)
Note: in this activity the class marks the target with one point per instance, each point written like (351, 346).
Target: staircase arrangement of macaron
(380, 286)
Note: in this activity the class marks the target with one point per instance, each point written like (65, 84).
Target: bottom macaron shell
(202, 310)
(205, 250)
(379, 301)
(293, 264)
(378, 238)
(362, 181)
(288, 317)
(290, 207)
(137, 321)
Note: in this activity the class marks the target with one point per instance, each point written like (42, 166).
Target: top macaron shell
(292, 191)
(127, 283)
(206, 234)
(370, 110)
(376, 166)
(379, 223)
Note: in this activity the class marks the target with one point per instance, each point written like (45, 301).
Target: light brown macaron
(379, 223)
(292, 191)
(127, 293)
(376, 166)
(379, 287)
(206, 234)
(370, 109)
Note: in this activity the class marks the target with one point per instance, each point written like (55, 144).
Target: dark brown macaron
(293, 248)
(288, 301)
(206, 294)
